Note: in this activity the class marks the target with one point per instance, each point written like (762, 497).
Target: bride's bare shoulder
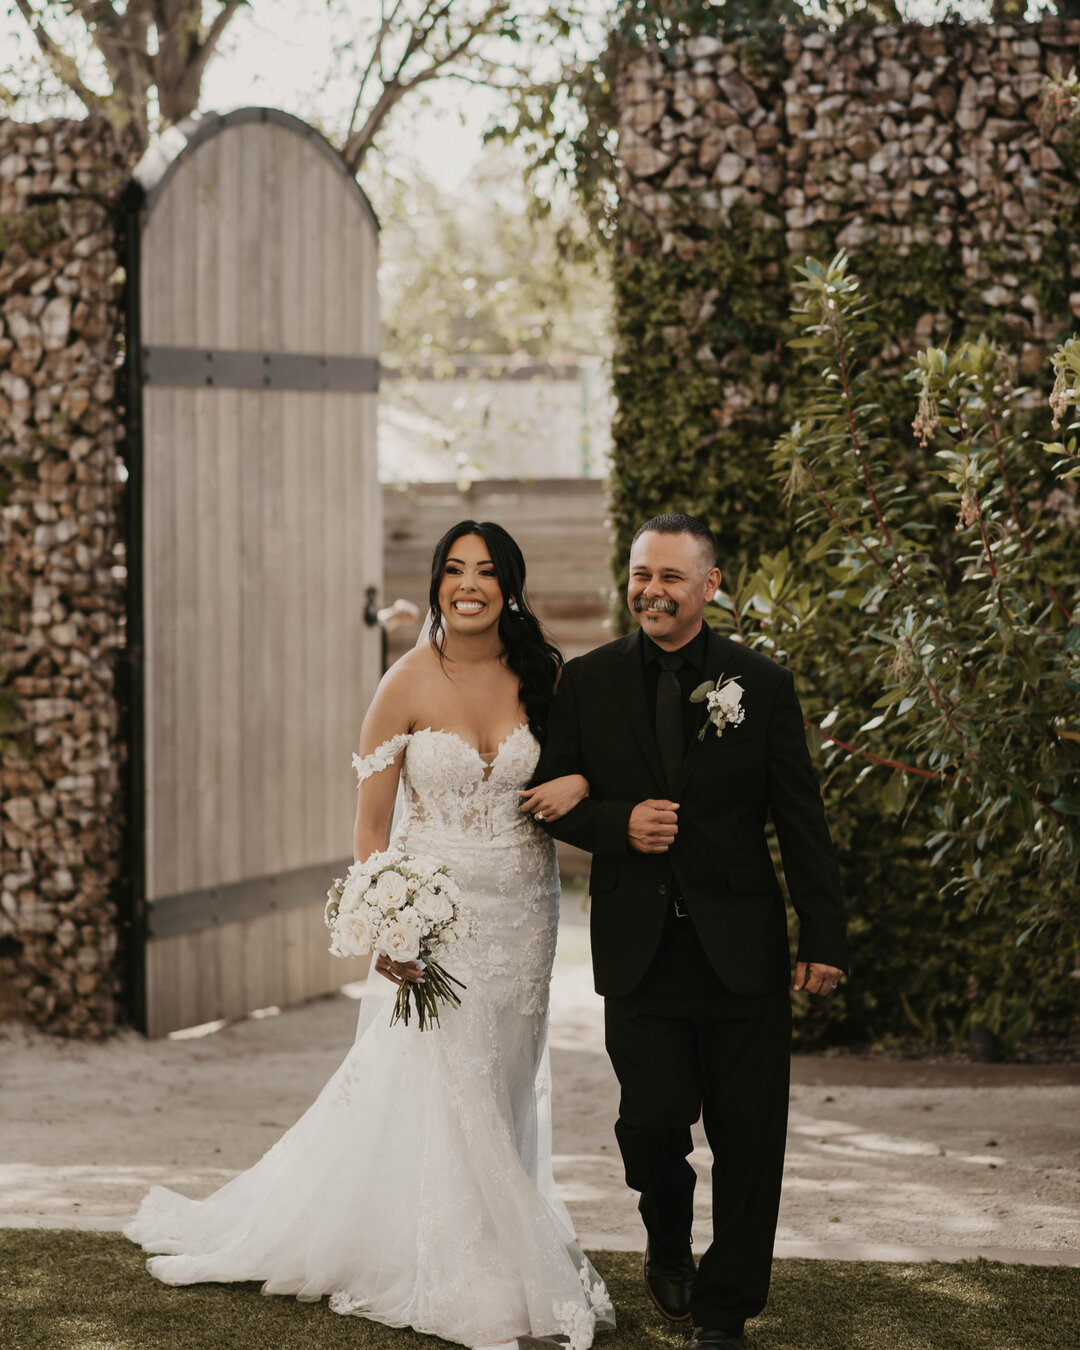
(411, 678)
(404, 692)
(419, 665)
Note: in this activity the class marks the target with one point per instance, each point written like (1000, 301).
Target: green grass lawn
(89, 1291)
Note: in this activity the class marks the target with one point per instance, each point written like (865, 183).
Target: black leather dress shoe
(669, 1282)
(704, 1338)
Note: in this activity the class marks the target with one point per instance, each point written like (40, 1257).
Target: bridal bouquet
(404, 908)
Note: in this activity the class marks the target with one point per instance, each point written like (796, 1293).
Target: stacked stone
(852, 131)
(62, 580)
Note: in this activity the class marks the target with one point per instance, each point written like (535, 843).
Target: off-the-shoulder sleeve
(381, 757)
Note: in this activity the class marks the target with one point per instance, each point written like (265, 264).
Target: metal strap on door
(197, 367)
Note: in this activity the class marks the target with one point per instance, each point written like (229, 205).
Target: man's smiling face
(672, 577)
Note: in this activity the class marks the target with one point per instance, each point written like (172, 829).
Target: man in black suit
(689, 933)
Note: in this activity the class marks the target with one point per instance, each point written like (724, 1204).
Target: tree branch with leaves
(149, 49)
(413, 42)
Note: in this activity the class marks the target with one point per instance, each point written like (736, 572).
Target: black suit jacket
(600, 725)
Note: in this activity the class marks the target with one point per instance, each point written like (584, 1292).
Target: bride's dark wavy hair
(529, 654)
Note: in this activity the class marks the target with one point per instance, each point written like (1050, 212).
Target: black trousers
(683, 1046)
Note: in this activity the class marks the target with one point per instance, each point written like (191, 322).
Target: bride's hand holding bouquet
(407, 910)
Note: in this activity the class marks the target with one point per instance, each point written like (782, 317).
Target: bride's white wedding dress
(417, 1189)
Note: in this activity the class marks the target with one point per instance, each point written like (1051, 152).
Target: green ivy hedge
(708, 307)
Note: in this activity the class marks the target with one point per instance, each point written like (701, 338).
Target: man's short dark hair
(674, 522)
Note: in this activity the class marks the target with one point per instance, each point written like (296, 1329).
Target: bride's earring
(513, 606)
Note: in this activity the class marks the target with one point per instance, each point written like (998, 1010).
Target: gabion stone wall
(911, 136)
(62, 577)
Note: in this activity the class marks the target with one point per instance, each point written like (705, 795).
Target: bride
(417, 1189)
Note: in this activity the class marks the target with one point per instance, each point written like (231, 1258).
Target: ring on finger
(539, 815)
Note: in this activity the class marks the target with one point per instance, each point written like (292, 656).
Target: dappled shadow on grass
(970, 1305)
(90, 1291)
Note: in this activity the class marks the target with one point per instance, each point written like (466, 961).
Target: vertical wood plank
(293, 637)
(228, 604)
(251, 231)
(284, 566)
(229, 199)
(229, 942)
(155, 294)
(349, 620)
(298, 235)
(205, 709)
(255, 435)
(337, 283)
(187, 1009)
(306, 318)
(275, 790)
(359, 286)
(184, 640)
(338, 289)
(295, 984)
(203, 256)
(314, 622)
(181, 445)
(369, 304)
(206, 953)
(159, 670)
(372, 560)
(274, 336)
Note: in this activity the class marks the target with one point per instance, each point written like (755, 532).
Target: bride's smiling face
(470, 597)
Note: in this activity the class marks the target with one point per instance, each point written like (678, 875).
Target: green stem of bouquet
(435, 988)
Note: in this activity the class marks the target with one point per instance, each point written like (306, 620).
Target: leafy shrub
(942, 669)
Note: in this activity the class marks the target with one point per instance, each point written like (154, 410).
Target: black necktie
(669, 721)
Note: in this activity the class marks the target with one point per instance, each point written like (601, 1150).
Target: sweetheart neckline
(440, 731)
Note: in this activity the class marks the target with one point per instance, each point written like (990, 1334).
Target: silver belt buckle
(680, 913)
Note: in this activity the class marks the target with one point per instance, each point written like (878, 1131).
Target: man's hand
(816, 978)
(653, 826)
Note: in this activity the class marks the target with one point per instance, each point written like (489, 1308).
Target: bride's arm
(383, 738)
(556, 797)
(379, 763)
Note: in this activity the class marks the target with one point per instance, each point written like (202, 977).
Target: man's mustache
(655, 605)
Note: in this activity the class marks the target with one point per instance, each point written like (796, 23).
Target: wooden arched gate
(253, 338)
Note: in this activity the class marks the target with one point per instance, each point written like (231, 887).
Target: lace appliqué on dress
(578, 1322)
(381, 757)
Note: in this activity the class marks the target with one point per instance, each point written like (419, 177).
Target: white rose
(433, 905)
(449, 935)
(352, 891)
(391, 890)
(356, 932)
(727, 698)
(399, 941)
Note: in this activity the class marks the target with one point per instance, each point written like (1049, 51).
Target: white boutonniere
(725, 704)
